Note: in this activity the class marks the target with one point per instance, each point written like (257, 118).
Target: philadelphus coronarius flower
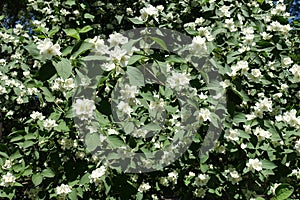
(47, 49)
(198, 45)
(84, 108)
(99, 45)
(178, 80)
(97, 174)
(201, 180)
(7, 180)
(297, 145)
(296, 72)
(203, 115)
(232, 135)
(261, 133)
(116, 39)
(128, 91)
(63, 189)
(49, 124)
(254, 165)
(144, 187)
(149, 11)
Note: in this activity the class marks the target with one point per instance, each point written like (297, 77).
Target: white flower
(63, 189)
(99, 46)
(8, 180)
(234, 177)
(178, 80)
(203, 115)
(116, 39)
(139, 133)
(37, 115)
(225, 11)
(266, 36)
(128, 92)
(232, 135)
(157, 105)
(124, 107)
(112, 132)
(47, 49)
(297, 145)
(144, 187)
(296, 72)
(49, 124)
(26, 74)
(254, 164)
(229, 23)
(264, 105)
(84, 108)
(287, 61)
(109, 66)
(7, 165)
(198, 45)
(149, 11)
(256, 73)
(199, 21)
(2, 90)
(285, 29)
(274, 26)
(173, 176)
(96, 175)
(118, 54)
(201, 180)
(261, 133)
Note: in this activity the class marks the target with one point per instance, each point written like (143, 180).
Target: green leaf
(47, 173)
(160, 42)
(136, 77)
(88, 16)
(115, 141)
(63, 68)
(92, 140)
(72, 33)
(48, 95)
(240, 117)
(133, 59)
(85, 29)
(73, 194)
(119, 18)
(84, 179)
(136, 20)
(53, 31)
(85, 46)
(62, 127)
(33, 51)
(70, 2)
(37, 179)
(260, 1)
(28, 143)
(266, 164)
(284, 191)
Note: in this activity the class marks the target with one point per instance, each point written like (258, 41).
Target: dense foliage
(45, 48)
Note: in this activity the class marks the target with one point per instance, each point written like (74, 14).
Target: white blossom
(96, 175)
(63, 189)
(49, 124)
(201, 180)
(8, 180)
(144, 187)
(254, 165)
(84, 108)
(124, 107)
(47, 49)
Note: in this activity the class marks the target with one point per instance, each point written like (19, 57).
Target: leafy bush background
(42, 160)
